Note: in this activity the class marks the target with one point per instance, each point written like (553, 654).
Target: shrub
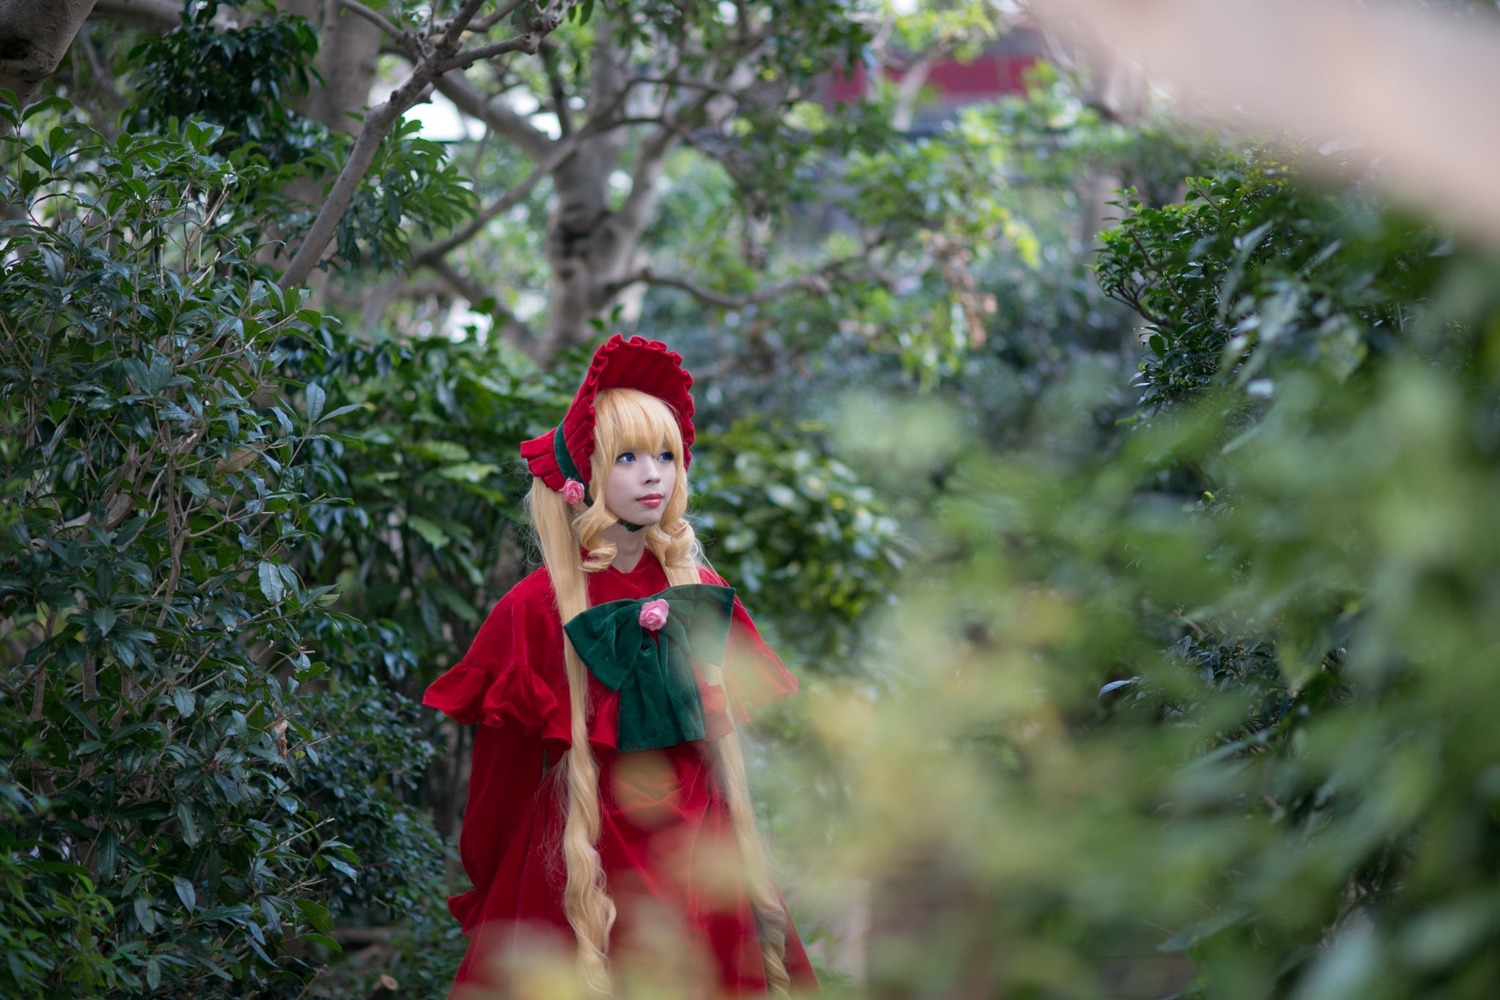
(152, 620)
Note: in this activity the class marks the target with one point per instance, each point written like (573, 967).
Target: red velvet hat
(563, 453)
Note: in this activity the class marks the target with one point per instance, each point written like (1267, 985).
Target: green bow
(660, 703)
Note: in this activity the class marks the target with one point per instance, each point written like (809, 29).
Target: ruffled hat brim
(646, 365)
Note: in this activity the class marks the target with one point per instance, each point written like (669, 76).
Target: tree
(154, 631)
(36, 34)
(577, 141)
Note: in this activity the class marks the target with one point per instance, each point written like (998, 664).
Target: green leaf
(185, 892)
(144, 914)
(316, 398)
(53, 103)
(107, 855)
(324, 940)
(315, 913)
(271, 583)
(104, 619)
(341, 866)
(184, 811)
(346, 409)
(430, 532)
(469, 472)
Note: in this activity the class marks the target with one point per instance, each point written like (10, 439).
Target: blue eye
(626, 456)
(666, 456)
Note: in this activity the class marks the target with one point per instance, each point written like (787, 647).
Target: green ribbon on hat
(565, 461)
(570, 471)
(660, 702)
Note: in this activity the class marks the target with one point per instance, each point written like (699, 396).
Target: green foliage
(244, 81)
(1249, 273)
(241, 78)
(432, 531)
(153, 621)
(808, 35)
(54, 916)
(369, 790)
(1227, 739)
(806, 543)
(960, 26)
(410, 186)
(946, 252)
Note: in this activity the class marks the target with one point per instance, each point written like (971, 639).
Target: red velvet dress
(665, 821)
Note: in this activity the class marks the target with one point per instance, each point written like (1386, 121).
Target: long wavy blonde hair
(629, 420)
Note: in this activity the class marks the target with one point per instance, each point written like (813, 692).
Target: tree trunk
(347, 50)
(591, 247)
(34, 35)
(584, 245)
(586, 248)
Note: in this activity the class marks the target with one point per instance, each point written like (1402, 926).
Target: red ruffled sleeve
(512, 677)
(512, 683)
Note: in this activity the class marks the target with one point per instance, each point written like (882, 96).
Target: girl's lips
(650, 501)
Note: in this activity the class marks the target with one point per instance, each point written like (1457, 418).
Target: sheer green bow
(660, 703)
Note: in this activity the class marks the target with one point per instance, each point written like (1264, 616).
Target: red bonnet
(637, 363)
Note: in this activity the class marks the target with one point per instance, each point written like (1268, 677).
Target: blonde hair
(629, 420)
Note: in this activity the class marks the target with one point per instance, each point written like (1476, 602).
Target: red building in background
(997, 71)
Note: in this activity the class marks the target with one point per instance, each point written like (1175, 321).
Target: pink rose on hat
(572, 491)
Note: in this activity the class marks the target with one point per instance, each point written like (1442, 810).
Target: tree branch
(467, 98)
(501, 205)
(555, 156)
(635, 213)
(402, 37)
(688, 83)
(559, 90)
(819, 282)
(158, 15)
(463, 285)
(490, 20)
(609, 85)
(513, 329)
(468, 57)
(379, 121)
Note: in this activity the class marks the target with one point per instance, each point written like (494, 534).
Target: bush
(153, 622)
(1211, 715)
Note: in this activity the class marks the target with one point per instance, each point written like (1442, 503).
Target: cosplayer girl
(608, 798)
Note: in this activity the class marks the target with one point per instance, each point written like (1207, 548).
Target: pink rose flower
(572, 491)
(654, 614)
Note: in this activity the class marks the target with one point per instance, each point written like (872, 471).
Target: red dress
(664, 818)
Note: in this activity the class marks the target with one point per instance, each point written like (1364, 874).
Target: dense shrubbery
(188, 772)
(154, 626)
(1250, 273)
(1212, 711)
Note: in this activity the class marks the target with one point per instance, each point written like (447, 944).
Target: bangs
(631, 420)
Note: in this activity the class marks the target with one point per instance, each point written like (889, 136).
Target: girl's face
(640, 484)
